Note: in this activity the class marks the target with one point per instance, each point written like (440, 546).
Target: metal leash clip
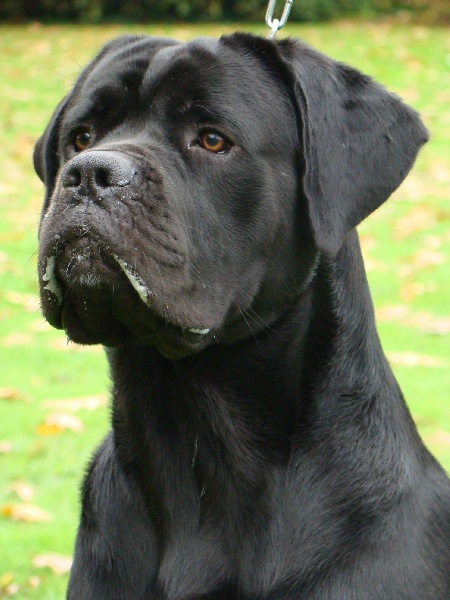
(274, 24)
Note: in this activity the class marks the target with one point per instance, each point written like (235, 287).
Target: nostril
(102, 177)
(72, 178)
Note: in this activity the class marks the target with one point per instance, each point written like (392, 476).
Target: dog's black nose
(91, 172)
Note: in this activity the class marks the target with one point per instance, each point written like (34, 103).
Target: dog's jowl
(199, 222)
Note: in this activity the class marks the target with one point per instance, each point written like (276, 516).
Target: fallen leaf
(74, 405)
(5, 447)
(440, 171)
(28, 513)
(5, 262)
(41, 325)
(440, 438)
(423, 321)
(426, 257)
(426, 288)
(23, 490)
(59, 421)
(368, 242)
(48, 430)
(412, 289)
(392, 312)
(428, 323)
(408, 292)
(7, 585)
(57, 563)
(419, 218)
(9, 394)
(34, 582)
(17, 339)
(6, 579)
(64, 344)
(37, 448)
(433, 241)
(11, 589)
(374, 265)
(29, 301)
(411, 359)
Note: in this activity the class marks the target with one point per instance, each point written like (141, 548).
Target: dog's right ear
(359, 141)
(45, 155)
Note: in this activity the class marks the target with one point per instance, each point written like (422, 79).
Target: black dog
(199, 222)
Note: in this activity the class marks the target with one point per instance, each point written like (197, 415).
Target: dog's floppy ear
(45, 155)
(359, 141)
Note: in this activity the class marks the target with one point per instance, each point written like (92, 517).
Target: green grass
(406, 244)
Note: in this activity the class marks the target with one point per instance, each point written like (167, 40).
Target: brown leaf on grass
(6, 579)
(423, 321)
(17, 339)
(5, 447)
(25, 491)
(34, 582)
(9, 394)
(29, 301)
(48, 430)
(11, 590)
(12, 235)
(418, 218)
(433, 241)
(40, 325)
(63, 344)
(4, 260)
(59, 421)
(438, 438)
(374, 265)
(428, 323)
(440, 171)
(427, 257)
(392, 312)
(29, 513)
(408, 292)
(57, 563)
(411, 359)
(74, 405)
(368, 241)
(7, 585)
(411, 289)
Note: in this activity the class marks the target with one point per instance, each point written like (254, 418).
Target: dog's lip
(186, 335)
(145, 295)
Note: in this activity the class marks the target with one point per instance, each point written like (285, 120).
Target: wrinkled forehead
(220, 82)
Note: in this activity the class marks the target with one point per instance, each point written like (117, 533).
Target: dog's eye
(82, 140)
(209, 140)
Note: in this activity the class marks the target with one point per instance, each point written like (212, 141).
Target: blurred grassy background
(53, 395)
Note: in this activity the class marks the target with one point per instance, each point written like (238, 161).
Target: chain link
(275, 24)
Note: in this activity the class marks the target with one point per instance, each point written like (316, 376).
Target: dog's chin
(95, 300)
(95, 327)
(86, 323)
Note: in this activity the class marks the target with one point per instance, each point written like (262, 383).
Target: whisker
(57, 72)
(265, 326)
(74, 60)
(248, 325)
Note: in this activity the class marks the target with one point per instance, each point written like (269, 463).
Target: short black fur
(260, 448)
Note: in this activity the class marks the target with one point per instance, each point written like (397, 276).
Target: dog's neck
(249, 408)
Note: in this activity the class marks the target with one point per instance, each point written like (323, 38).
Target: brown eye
(213, 142)
(82, 140)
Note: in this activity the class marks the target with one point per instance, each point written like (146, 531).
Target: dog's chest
(203, 568)
(244, 558)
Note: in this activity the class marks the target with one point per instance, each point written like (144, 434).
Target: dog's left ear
(359, 141)
(45, 155)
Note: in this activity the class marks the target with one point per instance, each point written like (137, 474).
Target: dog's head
(192, 187)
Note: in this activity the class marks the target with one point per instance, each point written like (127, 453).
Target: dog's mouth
(98, 297)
